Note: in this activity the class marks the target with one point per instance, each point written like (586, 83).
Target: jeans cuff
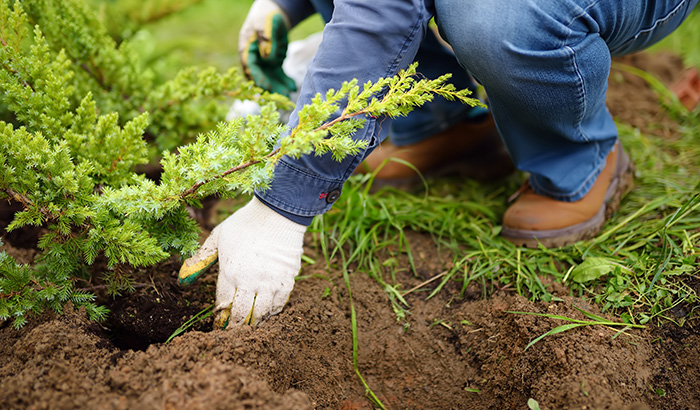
(302, 220)
(298, 194)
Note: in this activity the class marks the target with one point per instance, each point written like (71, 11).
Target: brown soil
(449, 353)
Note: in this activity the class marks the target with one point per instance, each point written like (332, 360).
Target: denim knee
(475, 32)
(495, 32)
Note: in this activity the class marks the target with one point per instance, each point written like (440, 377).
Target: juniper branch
(28, 203)
(387, 96)
(229, 171)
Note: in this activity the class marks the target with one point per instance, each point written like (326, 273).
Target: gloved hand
(259, 253)
(262, 45)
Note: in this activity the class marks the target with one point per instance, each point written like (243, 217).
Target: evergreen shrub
(80, 113)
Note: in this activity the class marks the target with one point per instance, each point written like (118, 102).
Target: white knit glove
(259, 253)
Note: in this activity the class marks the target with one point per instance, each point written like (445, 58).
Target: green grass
(202, 315)
(595, 320)
(650, 244)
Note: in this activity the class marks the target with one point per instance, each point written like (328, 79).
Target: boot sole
(620, 185)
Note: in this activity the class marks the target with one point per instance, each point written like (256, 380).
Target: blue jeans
(543, 63)
(434, 60)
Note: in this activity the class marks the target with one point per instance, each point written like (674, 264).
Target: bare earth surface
(472, 358)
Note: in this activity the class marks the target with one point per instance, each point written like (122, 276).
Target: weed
(355, 343)
(203, 314)
(660, 392)
(596, 321)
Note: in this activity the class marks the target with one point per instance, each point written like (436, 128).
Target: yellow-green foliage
(78, 112)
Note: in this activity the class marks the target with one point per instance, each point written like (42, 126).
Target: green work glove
(259, 254)
(262, 45)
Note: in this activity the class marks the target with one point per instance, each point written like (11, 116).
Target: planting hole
(139, 320)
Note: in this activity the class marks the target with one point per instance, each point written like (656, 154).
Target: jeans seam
(665, 18)
(393, 67)
(581, 83)
(581, 94)
(287, 207)
(308, 174)
(390, 71)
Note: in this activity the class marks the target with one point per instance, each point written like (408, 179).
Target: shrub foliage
(79, 113)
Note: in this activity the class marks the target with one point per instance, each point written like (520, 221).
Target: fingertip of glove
(188, 280)
(222, 319)
(190, 273)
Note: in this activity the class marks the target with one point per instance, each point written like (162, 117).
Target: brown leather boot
(469, 149)
(535, 219)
